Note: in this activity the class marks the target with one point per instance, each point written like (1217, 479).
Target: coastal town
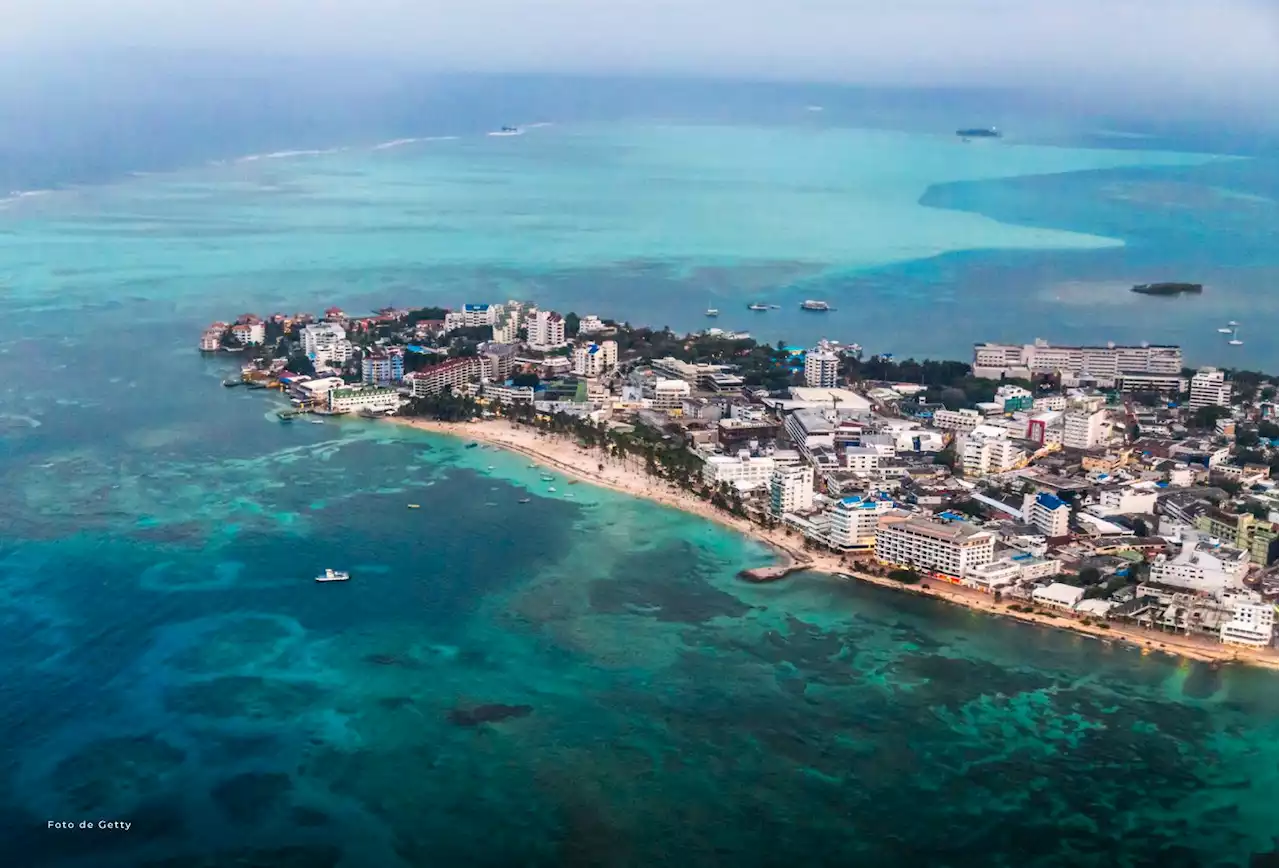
(1107, 489)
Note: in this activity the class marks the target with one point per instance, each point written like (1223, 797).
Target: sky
(1220, 52)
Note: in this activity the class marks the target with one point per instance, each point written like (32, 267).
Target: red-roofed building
(453, 373)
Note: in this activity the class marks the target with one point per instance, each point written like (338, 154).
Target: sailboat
(1235, 338)
(1225, 330)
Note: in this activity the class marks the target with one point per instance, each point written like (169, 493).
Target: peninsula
(1137, 508)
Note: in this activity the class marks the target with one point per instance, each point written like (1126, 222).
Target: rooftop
(954, 533)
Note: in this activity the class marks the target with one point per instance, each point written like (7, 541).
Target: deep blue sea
(172, 665)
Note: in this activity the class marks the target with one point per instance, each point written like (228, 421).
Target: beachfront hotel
(791, 489)
(951, 548)
(743, 471)
(454, 374)
(854, 521)
(374, 399)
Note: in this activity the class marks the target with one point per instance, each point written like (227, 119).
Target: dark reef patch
(488, 713)
(249, 797)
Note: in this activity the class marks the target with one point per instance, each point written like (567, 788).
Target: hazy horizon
(1204, 58)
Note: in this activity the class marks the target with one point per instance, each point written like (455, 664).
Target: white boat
(1232, 323)
(757, 306)
(569, 494)
(711, 311)
(333, 576)
(316, 421)
(1225, 330)
(552, 488)
(508, 131)
(810, 304)
(1235, 339)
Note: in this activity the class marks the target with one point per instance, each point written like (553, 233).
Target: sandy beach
(629, 477)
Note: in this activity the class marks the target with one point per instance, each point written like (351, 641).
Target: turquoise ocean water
(171, 664)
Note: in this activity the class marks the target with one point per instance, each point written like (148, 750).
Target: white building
(1202, 566)
(791, 489)
(742, 471)
(590, 324)
(1050, 402)
(821, 367)
(1127, 499)
(1105, 364)
(1009, 570)
(1251, 624)
(1082, 429)
(505, 395)
(1049, 514)
(854, 521)
(546, 330)
(862, 459)
(375, 399)
(474, 315)
(1058, 596)
(594, 360)
(952, 549)
(669, 395)
(987, 449)
(957, 420)
(506, 327)
(250, 333)
(318, 390)
(1209, 387)
(326, 343)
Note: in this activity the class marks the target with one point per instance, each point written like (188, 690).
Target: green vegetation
(425, 313)
(1206, 417)
(907, 576)
(445, 406)
(300, 363)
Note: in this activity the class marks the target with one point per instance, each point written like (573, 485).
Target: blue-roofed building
(483, 314)
(854, 520)
(1051, 515)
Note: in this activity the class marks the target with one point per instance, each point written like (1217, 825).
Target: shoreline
(566, 456)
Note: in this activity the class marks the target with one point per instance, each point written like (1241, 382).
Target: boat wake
(396, 143)
(284, 155)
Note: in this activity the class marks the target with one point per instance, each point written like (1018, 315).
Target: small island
(1167, 288)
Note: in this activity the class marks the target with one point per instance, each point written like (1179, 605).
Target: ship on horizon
(507, 131)
(979, 133)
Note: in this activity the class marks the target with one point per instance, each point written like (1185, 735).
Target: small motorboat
(472, 445)
(414, 506)
(333, 576)
(525, 500)
(552, 489)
